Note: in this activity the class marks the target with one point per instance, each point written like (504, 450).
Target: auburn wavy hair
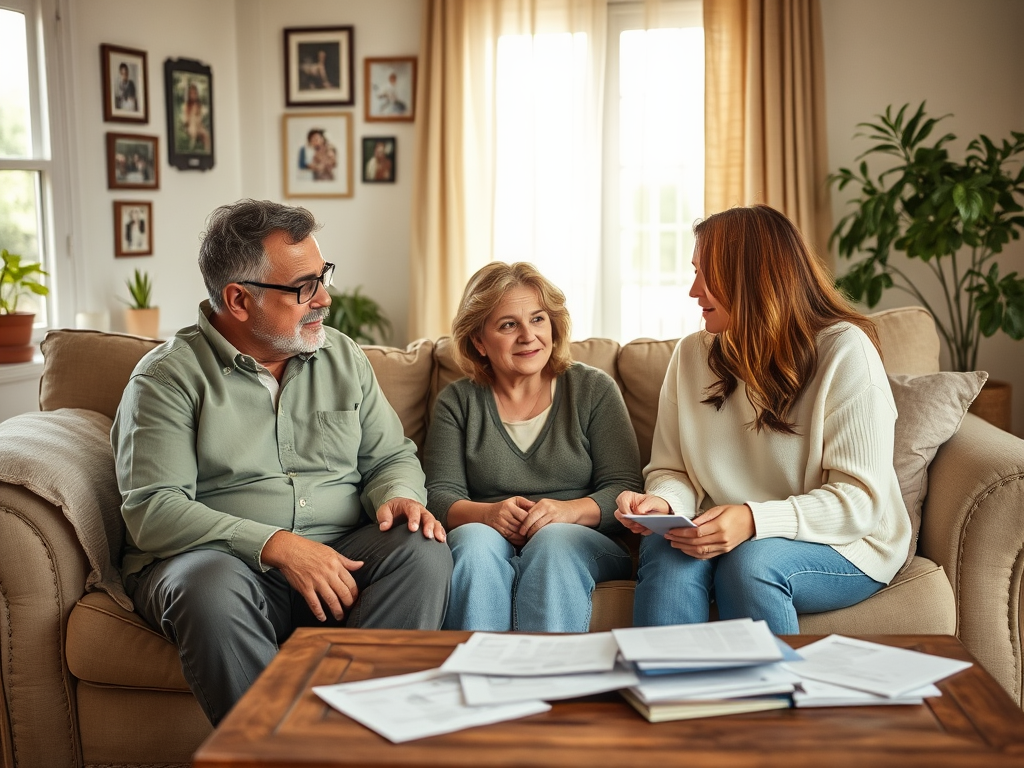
(484, 293)
(779, 297)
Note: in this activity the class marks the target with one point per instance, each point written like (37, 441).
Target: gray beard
(298, 343)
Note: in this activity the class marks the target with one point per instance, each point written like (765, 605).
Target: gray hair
(232, 248)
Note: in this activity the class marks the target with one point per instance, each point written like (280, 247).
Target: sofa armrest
(42, 574)
(973, 526)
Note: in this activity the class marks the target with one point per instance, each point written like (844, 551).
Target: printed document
(720, 684)
(489, 689)
(515, 655)
(417, 705)
(733, 640)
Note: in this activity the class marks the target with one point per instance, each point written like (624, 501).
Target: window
(28, 213)
(603, 198)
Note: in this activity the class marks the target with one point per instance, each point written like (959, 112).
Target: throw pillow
(931, 408)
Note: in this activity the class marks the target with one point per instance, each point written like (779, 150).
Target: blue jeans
(769, 579)
(546, 587)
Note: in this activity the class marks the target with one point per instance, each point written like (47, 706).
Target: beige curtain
(453, 222)
(765, 111)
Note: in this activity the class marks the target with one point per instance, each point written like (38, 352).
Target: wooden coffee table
(280, 722)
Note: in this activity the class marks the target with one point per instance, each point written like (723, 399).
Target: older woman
(524, 460)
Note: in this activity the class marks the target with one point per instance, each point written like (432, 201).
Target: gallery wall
(965, 60)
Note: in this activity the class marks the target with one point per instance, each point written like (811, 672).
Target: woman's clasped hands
(719, 529)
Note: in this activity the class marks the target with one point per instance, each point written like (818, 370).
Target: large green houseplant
(953, 216)
(17, 279)
(359, 317)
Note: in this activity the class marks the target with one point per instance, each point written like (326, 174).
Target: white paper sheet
(871, 667)
(720, 684)
(662, 523)
(417, 705)
(490, 689)
(734, 640)
(517, 655)
(814, 693)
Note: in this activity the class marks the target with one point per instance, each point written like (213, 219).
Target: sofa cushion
(930, 410)
(404, 376)
(88, 369)
(598, 353)
(642, 366)
(108, 645)
(910, 343)
(64, 457)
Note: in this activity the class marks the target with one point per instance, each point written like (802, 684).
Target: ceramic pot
(143, 322)
(16, 338)
(993, 404)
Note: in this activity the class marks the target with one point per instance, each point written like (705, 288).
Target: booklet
(732, 640)
(647, 668)
(719, 684)
(662, 523)
(663, 711)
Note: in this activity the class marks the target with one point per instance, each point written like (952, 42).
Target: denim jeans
(769, 579)
(545, 587)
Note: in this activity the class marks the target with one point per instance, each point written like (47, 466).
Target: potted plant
(953, 216)
(141, 317)
(16, 280)
(359, 317)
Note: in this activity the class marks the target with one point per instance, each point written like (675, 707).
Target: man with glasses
(266, 481)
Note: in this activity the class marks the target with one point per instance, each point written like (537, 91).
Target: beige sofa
(86, 682)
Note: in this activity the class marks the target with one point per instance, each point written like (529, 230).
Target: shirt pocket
(340, 435)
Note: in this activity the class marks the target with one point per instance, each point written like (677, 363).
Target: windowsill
(12, 372)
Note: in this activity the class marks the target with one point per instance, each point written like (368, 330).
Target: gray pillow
(931, 408)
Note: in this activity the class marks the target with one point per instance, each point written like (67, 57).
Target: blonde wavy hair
(484, 293)
(779, 298)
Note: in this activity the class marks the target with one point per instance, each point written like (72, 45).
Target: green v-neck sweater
(586, 448)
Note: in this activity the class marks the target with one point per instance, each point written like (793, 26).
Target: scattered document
(662, 523)
(719, 684)
(407, 707)
(814, 693)
(734, 640)
(489, 689)
(871, 667)
(676, 667)
(517, 655)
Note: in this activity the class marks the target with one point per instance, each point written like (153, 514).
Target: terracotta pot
(993, 404)
(143, 322)
(16, 338)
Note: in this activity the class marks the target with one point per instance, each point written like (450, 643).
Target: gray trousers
(228, 621)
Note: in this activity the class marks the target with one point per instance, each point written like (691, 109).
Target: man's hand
(507, 516)
(315, 571)
(631, 503)
(719, 530)
(417, 515)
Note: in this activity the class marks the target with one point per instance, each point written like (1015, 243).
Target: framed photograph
(317, 154)
(133, 228)
(379, 158)
(390, 89)
(133, 161)
(188, 88)
(318, 66)
(125, 85)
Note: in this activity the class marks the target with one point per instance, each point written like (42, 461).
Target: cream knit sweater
(832, 483)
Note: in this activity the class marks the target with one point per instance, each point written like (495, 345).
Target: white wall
(964, 58)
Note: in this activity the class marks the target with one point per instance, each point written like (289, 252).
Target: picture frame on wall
(133, 161)
(380, 157)
(317, 154)
(188, 92)
(390, 89)
(133, 228)
(318, 66)
(125, 84)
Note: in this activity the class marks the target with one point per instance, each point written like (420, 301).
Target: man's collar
(226, 351)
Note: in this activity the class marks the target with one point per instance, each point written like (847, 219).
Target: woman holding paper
(524, 460)
(775, 433)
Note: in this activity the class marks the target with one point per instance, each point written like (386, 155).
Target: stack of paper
(703, 670)
(843, 671)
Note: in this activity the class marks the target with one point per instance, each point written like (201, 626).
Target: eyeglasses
(305, 292)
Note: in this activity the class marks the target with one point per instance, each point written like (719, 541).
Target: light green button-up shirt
(206, 461)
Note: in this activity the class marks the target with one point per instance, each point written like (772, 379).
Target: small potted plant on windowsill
(16, 280)
(141, 317)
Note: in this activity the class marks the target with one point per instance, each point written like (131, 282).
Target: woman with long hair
(524, 461)
(775, 434)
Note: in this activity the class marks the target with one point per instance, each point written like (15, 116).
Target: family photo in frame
(318, 65)
(379, 158)
(188, 87)
(390, 89)
(133, 228)
(317, 154)
(133, 161)
(125, 85)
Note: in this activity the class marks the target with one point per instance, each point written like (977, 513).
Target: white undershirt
(525, 433)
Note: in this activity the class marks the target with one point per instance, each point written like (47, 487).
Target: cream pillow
(931, 408)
